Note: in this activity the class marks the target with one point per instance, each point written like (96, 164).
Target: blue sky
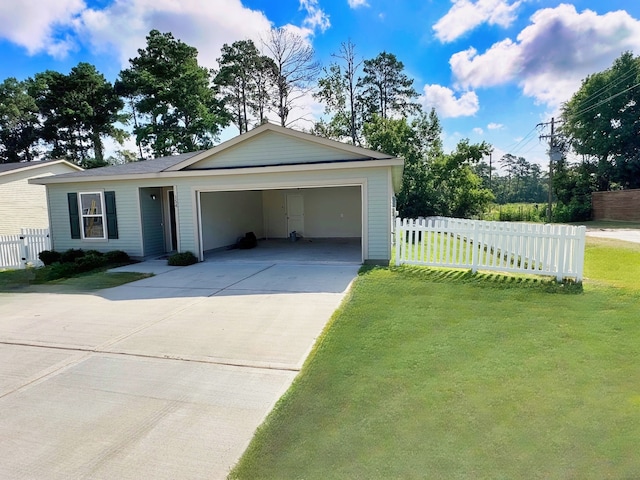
(493, 69)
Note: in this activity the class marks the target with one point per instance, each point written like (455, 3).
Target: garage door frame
(358, 182)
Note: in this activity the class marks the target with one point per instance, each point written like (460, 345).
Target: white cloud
(552, 55)
(357, 3)
(444, 100)
(465, 15)
(316, 17)
(478, 131)
(123, 25)
(495, 126)
(35, 24)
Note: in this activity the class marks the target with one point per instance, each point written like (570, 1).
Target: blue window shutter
(110, 210)
(74, 215)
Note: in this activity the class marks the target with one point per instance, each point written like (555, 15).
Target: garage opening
(327, 221)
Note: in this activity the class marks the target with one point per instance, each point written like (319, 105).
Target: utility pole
(490, 158)
(554, 154)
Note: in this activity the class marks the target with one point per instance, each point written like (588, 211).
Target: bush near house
(73, 261)
(182, 259)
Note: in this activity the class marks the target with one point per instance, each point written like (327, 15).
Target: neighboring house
(270, 181)
(24, 205)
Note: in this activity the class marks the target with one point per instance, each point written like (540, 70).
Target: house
(270, 181)
(24, 205)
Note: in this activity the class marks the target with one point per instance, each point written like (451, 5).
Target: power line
(601, 102)
(602, 90)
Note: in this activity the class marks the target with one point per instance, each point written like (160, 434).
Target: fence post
(24, 254)
(561, 242)
(398, 240)
(579, 251)
(474, 239)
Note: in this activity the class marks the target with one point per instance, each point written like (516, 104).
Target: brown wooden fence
(623, 205)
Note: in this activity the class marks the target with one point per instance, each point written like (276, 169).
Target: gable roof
(219, 158)
(7, 168)
(155, 165)
(351, 152)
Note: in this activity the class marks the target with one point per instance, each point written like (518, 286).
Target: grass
(516, 212)
(611, 224)
(27, 281)
(426, 373)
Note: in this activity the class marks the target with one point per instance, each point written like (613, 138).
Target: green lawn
(27, 281)
(428, 373)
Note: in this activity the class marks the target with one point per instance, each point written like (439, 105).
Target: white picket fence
(20, 251)
(556, 250)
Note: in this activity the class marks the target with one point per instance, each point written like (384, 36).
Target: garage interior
(327, 222)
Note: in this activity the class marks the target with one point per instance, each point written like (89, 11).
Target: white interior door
(295, 213)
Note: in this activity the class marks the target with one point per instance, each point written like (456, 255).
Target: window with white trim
(92, 215)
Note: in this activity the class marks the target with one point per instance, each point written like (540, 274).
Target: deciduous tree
(338, 90)
(296, 69)
(602, 121)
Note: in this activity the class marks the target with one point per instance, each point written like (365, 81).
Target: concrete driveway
(164, 378)
(625, 234)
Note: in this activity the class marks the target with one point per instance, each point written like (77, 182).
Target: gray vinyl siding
(379, 208)
(377, 195)
(271, 148)
(128, 214)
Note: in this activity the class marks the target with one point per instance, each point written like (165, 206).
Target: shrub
(117, 256)
(577, 210)
(56, 271)
(182, 259)
(71, 255)
(94, 252)
(87, 263)
(49, 256)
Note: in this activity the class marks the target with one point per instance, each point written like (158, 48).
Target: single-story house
(270, 181)
(24, 205)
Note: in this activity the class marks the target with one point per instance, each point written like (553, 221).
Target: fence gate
(20, 251)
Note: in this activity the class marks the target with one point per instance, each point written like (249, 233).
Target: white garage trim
(358, 182)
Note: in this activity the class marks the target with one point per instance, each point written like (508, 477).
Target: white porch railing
(556, 250)
(19, 251)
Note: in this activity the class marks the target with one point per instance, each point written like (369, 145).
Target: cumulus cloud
(357, 3)
(35, 25)
(466, 15)
(446, 103)
(123, 25)
(552, 55)
(316, 17)
(478, 131)
(495, 126)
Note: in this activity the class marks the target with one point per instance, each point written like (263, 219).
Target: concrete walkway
(163, 378)
(627, 235)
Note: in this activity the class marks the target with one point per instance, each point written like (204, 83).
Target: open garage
(331, 216)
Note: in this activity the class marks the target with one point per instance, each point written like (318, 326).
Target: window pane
(91, 204)
(93, 227)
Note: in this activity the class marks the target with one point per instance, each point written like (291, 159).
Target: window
(92, 215)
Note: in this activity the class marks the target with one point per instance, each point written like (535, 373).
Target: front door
(172, 231)
(295, 213)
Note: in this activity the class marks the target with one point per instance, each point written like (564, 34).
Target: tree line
(172, 105)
